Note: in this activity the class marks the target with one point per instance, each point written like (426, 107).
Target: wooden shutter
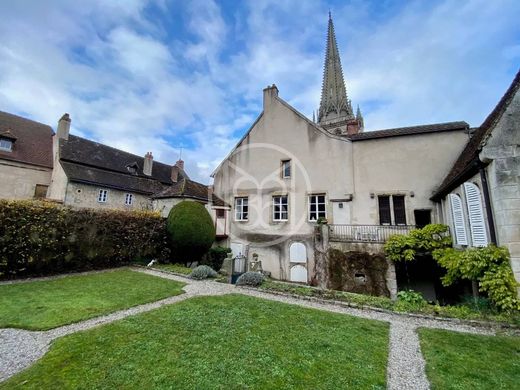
(399, 210)
(477, 223)
(458, 220)
(385, 217)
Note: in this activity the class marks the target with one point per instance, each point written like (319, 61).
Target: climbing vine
(489, 266)
(406, 247)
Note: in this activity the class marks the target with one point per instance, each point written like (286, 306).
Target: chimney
(63, 127)
(175, 173)
(180, 164)
(270, 93)
(148, 162)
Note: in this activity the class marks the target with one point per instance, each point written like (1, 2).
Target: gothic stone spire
(334, 105)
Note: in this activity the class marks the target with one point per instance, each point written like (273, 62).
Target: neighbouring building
(288, 172)
(25, 157)
(36, 163)
(480, 196)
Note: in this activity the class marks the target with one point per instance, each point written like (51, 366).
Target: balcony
(377, 234)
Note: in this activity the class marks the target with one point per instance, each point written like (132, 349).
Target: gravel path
(20, 348)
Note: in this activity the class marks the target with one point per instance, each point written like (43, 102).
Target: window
(286, 169)
(317, 207)
(477, 225)
(389, 203)
(280, 208)
(241, 209)
(40, 191)
(220, 213)
(385, 216)
(129, 198)
(457, 216)
(102, 196)
(6, 144)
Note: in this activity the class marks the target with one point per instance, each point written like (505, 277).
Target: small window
(280, 208)
(286, 169)
(6, 144)
(392, 210)
(129, 198)
(241, 209)
(102, 196)
(317, 207)
(40, 191)
(220, 213)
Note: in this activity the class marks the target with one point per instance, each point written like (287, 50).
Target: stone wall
(19, 180)
(84, 195)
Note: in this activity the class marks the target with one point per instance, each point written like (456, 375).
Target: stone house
(25, 157)
(289, 171)
(480, 196)
(82, 173)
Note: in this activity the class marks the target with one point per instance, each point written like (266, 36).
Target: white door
(340, 213)
(299, 274)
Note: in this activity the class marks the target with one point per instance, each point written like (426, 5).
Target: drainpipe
(487, 201)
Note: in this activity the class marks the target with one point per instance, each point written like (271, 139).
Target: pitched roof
(412, 130)
(187, 188)
(33, 140)
(468, 163)
(89, 153)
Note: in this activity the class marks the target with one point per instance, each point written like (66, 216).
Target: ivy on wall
(489, 266)
(38, 238)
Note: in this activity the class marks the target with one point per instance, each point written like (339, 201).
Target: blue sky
(161, 75)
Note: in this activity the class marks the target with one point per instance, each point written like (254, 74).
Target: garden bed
(465, 313)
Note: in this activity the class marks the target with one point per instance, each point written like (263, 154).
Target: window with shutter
(477, 223)
(399, 210)
(385, 216)
(458, 220)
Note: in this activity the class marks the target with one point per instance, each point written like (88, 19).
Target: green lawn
(225, 342)
(43, 305)
(463, 361)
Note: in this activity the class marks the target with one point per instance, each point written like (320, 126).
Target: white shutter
(458, 220)
(476, 215)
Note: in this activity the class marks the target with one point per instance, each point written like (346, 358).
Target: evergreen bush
(215, 257)
(250, 279)
(203, 272)
(191, 231)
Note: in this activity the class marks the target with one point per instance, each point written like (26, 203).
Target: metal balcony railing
(366, 233)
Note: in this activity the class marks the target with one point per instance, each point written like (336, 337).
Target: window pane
(384, 210)
(399, 210)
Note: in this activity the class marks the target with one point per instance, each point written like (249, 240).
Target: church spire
(334, 105)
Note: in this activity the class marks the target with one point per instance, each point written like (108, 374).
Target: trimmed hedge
(215, 257)
(39, 238)
(191, 231)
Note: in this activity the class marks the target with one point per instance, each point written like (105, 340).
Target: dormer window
(6, 145)
(7, 140)
(133, 168)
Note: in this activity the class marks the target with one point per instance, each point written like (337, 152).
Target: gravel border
(405, 370)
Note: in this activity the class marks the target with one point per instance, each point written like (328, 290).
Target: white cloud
(129, 81)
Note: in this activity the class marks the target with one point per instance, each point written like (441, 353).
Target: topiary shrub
(250, 279)
(203, 272)
(191, 231)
